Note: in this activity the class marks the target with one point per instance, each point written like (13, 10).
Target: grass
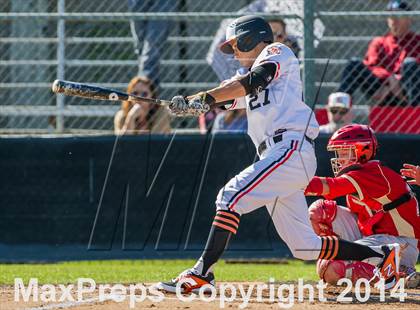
(138, 271)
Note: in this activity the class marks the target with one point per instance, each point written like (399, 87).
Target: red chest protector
(379, 189)
(366, 217)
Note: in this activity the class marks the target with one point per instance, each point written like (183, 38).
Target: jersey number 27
(255, 105)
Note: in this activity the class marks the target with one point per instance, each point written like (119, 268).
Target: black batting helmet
(248, 31)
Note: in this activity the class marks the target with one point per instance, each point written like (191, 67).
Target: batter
(282, 128)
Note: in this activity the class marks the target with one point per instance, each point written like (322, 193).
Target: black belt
(312, 142)
(276, 139)
(397, 202)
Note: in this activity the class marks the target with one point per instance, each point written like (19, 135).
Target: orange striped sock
(329, 248)
(227, 220)
(224, 225)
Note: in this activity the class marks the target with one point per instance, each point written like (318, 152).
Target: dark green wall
(61, 199)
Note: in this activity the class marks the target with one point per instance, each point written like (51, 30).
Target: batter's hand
(413, 172)
(197, 104)
(189, 106)
(179, 105)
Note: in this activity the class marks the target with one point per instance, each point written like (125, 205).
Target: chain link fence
(108, 42)
(350, 27)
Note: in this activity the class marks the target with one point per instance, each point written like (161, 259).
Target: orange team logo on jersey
(274, 50)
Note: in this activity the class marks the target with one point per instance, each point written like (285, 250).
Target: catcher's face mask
(344, 156)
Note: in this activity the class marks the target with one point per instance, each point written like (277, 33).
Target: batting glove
(191, 106)
(197, 105)
(179, 105)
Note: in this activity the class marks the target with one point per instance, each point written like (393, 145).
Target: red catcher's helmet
(352, 144)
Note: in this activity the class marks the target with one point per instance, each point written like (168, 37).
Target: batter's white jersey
(280, 104)
(287, 165)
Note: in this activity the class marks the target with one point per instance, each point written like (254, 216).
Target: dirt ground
(256, 301)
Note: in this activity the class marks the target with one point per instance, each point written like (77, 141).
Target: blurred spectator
(52, 124)
(135, 118)
(205, 121)
(230, 121)
(150, 35)
(280, 35)
(412, 172)
(339, 112)
(390, 71)
(225, 66)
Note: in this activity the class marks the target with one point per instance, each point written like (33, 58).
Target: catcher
(381, 208)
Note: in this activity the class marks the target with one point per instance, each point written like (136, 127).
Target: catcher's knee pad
(321, 214)
(333, 270)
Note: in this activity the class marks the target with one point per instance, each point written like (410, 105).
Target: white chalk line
(68, 304)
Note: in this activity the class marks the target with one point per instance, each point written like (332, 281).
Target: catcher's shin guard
(412, 280)
(333, 270)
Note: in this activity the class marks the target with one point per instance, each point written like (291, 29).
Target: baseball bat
(100, 93)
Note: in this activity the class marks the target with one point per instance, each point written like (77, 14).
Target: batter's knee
(333, 270)
(302, 246)
(303, 255)
(223, 202)
(220, 201)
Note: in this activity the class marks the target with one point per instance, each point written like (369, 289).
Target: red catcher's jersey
(370, 186)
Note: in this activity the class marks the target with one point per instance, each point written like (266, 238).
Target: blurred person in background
(412, 172)
(278, 27)
(150, 34)
(339, 112)
(52, 124)
(227, 121)
(390, 71)
(135, 118)
(206, 121)
(230, 121)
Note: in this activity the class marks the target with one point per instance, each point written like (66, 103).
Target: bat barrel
(100, 93)
(87, 91)
(57, 86)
